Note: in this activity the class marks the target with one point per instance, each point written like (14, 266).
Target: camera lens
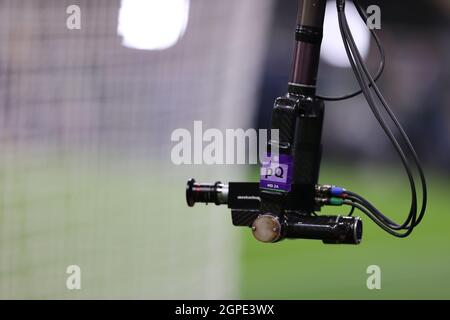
(206, 193)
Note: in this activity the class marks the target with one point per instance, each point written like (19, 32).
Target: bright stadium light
(333, 51)
(152, 24)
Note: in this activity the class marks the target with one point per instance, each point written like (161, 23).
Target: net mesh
(85, 171)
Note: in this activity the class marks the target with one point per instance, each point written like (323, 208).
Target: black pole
(308, 39)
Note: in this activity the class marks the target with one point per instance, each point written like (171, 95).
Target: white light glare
(152, 24)
(333, 50)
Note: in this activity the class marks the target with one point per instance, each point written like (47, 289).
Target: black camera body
(289, 175)
(283, 204)
(288, 180)
(285, 201)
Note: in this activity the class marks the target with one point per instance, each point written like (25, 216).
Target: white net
(85, 171)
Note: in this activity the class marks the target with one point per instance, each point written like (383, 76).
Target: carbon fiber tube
(308, 39)
(311, 13)
(329, 229)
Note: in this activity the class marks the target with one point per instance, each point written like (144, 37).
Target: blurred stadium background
(85, 170)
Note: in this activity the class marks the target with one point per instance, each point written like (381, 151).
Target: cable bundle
(370, 90)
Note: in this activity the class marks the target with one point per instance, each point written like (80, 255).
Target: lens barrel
(206, 193)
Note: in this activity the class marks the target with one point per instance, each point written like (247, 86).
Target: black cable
(379, 220)
(356, 61)
(352, 210)
(381, 65)
(367, 82)
(358, 199)
(413, 211)
(399, 128)
(407, 142)
(374, 219)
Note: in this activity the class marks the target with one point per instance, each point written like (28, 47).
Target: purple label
(276, 173)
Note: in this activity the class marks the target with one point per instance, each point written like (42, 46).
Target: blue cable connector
(336, 191)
